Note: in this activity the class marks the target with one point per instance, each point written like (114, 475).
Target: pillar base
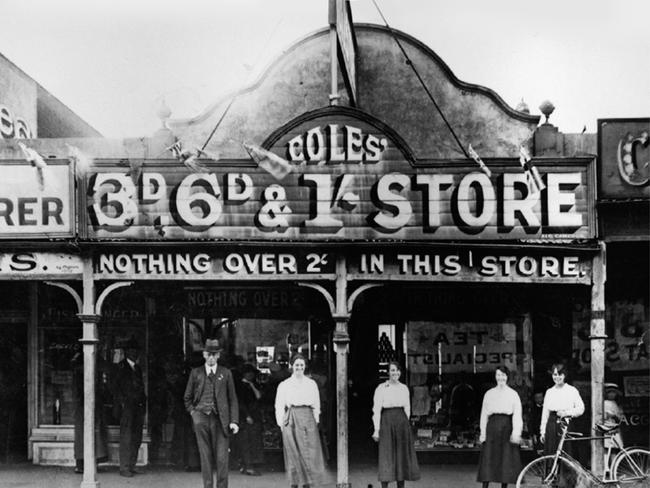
(89, 484)
(343, 485)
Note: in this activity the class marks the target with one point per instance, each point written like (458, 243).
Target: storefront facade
(362, 237)
(624, 213)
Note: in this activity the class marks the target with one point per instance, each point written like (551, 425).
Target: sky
(114, 61)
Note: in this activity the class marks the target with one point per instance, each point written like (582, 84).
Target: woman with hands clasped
(501, 424)
(297, 412)
(390, 415)
(560, 401)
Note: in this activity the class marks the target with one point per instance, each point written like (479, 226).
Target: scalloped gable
(298, 82)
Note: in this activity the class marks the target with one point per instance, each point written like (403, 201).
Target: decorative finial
(163, 113)
(547, 108)
(522, 107)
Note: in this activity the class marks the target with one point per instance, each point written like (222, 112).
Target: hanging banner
(340, 181)
(29, 209)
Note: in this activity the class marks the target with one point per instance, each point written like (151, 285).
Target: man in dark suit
(129, 401)
(211, 401)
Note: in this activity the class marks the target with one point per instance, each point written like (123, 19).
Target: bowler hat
(212, 345)
(131, 343)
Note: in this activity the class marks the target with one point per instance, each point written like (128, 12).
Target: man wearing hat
(129, 401)
(211, 401)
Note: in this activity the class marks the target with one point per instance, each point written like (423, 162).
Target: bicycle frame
(608, 475)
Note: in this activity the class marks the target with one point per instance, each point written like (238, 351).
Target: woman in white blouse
(390, 415)
(501, 424)
(560, 401)
(297, 412)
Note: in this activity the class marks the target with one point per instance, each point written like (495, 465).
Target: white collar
(208, 369)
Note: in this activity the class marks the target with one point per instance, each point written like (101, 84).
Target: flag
(268, 161)
(79, 159)
(533, 178)
(189, 157)
(37, 161)
(474, 155)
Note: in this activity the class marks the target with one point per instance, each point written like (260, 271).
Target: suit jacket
(225, 396)
(128, 387)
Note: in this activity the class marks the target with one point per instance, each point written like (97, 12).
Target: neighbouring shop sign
(624, 150)
(340, 181)
(449, 265)
(29, 265)
(626, 348)
(28, 209)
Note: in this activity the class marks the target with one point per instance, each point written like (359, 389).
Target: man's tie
(211, 375)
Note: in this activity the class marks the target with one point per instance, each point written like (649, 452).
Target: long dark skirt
(303, 454)
(553, 433)
(397, 459)
(500, 459)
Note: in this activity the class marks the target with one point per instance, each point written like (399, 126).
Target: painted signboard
(30, 265)
(293, 264)
(341, 180)
(29, 208)
(624, 153)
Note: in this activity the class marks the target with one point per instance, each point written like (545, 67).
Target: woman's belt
(392, 408)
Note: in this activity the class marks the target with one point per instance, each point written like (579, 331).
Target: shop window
(449, 367)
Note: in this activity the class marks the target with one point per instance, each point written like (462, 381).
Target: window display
(450, 365)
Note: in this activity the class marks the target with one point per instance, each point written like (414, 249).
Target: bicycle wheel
(632, 465)
(538, 473)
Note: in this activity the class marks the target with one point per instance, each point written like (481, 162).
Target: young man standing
(211, 401)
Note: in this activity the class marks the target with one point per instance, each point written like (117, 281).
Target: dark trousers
(131, 422)
(213, 448)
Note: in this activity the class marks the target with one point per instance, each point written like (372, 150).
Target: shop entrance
(256, 326)
(13, 391)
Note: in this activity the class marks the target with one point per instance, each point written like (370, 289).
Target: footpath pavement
(361, 476)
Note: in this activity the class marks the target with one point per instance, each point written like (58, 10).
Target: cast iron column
(597, 338)
(89, 342)
(341, 342)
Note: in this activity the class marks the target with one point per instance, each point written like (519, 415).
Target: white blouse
(294, 392)
(566, 398)
(388, 395)
(506, 401)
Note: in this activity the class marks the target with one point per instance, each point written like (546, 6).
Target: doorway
(13, 391)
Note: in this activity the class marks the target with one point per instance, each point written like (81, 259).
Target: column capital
(92, 318)
(341, 337)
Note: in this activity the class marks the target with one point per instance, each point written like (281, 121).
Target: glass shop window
(450, 365)
(59, 356)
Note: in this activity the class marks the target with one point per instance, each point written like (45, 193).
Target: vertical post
(597, 338)
(341, 343)
(89, 342)
(334, 65)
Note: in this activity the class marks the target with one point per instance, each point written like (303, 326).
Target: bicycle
(630, 467)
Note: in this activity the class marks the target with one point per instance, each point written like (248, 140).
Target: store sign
(13, 127)
(27, 210)
(347, 181)
(449, 265)
(624, 150)
(472, 265)
(213, 266)
(29, 265)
